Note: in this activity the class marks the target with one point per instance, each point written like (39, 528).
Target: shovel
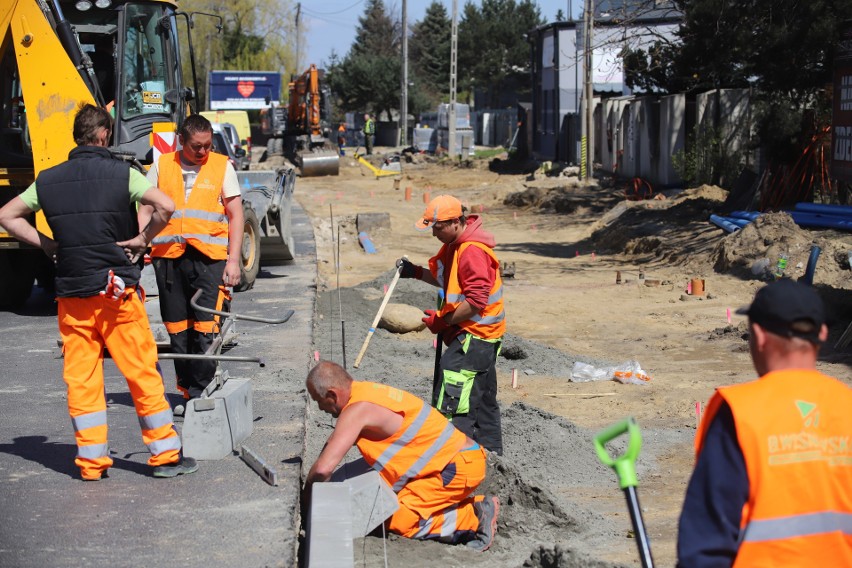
(625, 469)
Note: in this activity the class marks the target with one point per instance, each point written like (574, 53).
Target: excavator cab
(123, 55)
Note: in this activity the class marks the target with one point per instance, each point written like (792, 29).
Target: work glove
(434, 322)
(114, 287)
(409, 270)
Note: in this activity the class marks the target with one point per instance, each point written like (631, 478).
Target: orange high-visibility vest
(795, 431)
(490, 323)
(424, 445)
(201, 221)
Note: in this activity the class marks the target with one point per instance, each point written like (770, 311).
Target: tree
(256, 35)
(429, 54)
(378, 34)
(369, 76)
(782, 50)
(494, 54)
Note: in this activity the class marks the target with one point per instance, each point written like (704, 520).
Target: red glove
(434, 322)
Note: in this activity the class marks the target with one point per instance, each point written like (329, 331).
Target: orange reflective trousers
(87, 325)
(440, 506)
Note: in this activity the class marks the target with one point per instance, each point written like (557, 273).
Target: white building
(557, 68)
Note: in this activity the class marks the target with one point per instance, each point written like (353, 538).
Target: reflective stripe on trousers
(436, 508)
(87, 326)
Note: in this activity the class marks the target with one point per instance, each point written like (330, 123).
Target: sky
(331, 24)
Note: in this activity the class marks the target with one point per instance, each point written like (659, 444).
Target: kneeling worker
(432, 466)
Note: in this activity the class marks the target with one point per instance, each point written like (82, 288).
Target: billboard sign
(243, 90)
(841, 120)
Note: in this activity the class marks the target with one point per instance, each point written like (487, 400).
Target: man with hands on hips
(471, 320)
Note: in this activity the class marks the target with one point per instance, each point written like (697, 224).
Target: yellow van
(238, 118)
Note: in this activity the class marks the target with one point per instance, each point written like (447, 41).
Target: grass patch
(488, 153)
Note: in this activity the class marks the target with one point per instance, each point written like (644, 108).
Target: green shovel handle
(624, 465)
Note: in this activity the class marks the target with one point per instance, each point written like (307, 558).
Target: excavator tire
(17, 275)
(250, 251)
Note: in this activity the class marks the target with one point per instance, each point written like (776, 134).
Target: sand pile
(544, 454)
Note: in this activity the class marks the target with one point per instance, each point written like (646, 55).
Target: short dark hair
(88, 120)
(193, 124)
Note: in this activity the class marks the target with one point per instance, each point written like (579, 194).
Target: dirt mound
(544, 454)
(677, 232)
(753, 252)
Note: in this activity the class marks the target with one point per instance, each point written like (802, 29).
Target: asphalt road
(222, 515)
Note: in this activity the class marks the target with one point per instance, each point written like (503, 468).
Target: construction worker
(369, 133)
(772, 484)
(199, 249)
(471, 320)
(89, 203)
(341, 138)
(431, 466)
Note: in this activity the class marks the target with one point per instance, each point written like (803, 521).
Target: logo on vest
(809, 413)
(808, 446)
(204, 184)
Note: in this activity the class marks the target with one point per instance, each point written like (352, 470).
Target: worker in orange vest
(471, 321)
(200, 248)
(431, 466)
(96, 247)
(341, 138)
(772, 484)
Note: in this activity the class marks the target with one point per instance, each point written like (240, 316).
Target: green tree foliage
(652, 70)
(369, 76)
(256, 35)
(493, 50)
(782, 49)
(429, 56)
(378, 34)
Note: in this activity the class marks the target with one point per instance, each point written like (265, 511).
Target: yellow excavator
(302, 131)
(57, 54)
(124, 55)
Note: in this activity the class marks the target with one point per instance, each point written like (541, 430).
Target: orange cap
(442, 208)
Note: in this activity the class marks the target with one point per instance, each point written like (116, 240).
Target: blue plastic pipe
(808, 278)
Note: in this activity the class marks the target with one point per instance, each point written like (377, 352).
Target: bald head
(326, 375)
(329, 386)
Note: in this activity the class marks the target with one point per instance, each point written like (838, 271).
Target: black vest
(86, 201)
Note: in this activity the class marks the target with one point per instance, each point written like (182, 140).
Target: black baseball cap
(787, 308)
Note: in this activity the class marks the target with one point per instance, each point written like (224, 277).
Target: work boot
(185, 465)
(486, 511)
(104, 473)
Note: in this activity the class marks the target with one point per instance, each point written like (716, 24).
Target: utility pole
(587, 122)
(298, 39)
(454, 33)
(403, 103)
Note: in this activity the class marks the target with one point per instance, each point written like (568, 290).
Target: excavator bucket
(319, 163)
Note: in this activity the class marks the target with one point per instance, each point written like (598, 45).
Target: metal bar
(256, 463)
(639, 531)
(199, 357)
(287, 315)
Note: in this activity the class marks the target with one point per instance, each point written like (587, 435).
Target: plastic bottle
(781, 266)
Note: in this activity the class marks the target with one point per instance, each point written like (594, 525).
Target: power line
(338, 12)
(336, 22)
